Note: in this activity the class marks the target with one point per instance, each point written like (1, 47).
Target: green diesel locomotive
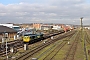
(29, 38)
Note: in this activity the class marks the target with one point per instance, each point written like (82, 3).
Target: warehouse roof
(6, 29)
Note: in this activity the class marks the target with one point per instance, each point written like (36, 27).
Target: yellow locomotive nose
(26, 38)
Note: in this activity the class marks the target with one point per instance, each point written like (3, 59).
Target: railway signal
(68, 43)
(6, 37)
(25, 46)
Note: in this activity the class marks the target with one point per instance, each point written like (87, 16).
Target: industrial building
(11, 32)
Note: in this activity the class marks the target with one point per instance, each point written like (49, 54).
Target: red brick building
(37, 25)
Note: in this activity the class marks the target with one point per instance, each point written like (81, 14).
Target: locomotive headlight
(38, 36)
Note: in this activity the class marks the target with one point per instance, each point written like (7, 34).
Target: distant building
(8, 25)
(46, 27)
(87, 27)
(57, 27)
(17, 28)
(37, 26)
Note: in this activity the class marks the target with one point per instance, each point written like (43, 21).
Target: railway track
(16, 44)
(71, 52)
(87, 36)
(26, 55)
(86, 39)
(54, 52)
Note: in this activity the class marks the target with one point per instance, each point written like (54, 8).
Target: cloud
(52, 11)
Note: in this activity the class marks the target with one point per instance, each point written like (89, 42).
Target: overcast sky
(45, 11)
